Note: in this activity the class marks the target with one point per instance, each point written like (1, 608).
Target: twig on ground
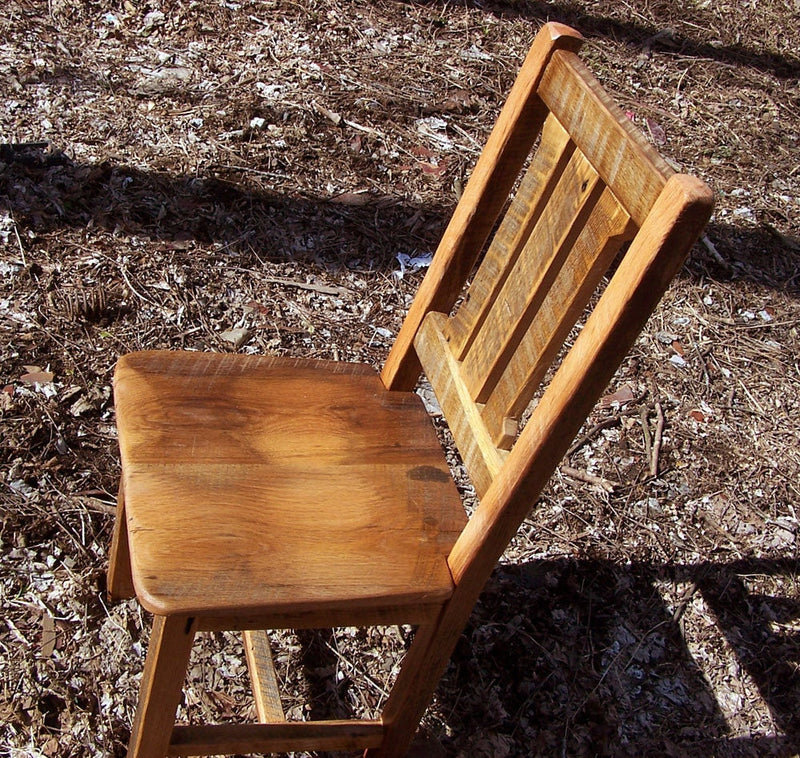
(598, 427)
(659, 434)
(648, 440)
(584, 476)
(715, 254)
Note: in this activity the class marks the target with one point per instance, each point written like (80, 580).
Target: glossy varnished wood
(257, 484)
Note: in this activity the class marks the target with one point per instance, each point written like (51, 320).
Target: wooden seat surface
(268, 485)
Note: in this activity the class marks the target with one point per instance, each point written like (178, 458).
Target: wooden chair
(264, 492)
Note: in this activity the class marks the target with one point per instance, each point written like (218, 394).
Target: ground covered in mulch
(249, 176)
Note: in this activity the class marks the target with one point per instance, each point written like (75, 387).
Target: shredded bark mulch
(268, 177)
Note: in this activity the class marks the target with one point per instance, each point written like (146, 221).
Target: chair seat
(270, 485)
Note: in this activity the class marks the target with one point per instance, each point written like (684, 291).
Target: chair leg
(420, 673)
(162, 684)
(120, 579)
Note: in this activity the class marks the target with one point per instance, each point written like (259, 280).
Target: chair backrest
(592, 183)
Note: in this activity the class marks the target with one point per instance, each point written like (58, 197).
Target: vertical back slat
(595, 184)
(601, 237)
(530, 278)
(534, 192)
(654, 257)
(486, 193)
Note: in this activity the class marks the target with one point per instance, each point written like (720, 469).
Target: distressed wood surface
(227, 739)
(518, 302)
(606, 229)
(654, 257)
(678, 217)
(265, 484)
(534, 192)
(480, 456)
(120, 579)
(612, 144)
(171, 641)
(266, 492)
(517, 128)
(263, 679)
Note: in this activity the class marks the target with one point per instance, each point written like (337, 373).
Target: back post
(498, 167)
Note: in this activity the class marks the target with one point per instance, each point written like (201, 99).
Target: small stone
(237, 337)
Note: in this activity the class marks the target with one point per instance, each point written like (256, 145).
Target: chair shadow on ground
(47, 191)
(587, 657)
(593, 658)
(637, 33)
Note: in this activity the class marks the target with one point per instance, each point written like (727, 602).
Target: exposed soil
(243, 176)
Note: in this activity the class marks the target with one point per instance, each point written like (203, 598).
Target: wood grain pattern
(480, 456)
(227, 739)
(606, 229)
(654, 257)
(263, 679)
(625, 161)
(678, 217)
(260, 484)
(531, 276)
(534, 192)
(485, 195)
(164, 671)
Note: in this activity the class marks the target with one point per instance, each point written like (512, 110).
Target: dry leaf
(623, 395)
(49, 635)
(37, 377)
(237, 337)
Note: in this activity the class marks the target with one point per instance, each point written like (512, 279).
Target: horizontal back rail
(591, 183)
(626, 162)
